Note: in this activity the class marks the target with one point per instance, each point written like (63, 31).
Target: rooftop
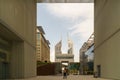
(40, 29)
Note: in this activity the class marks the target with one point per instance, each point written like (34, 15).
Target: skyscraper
(61, 57)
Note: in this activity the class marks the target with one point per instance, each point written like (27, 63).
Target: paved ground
(70, 77)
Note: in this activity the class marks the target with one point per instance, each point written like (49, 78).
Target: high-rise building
(43, 48)
(64, 57)
(87, 56)
(70, 46)
(58, 47)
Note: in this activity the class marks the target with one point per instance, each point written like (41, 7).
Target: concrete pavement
(70, 77)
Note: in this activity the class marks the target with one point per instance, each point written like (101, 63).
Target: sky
(62, 19)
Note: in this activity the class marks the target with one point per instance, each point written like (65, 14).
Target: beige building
(107, 38)
(17, 38)
(64, 57)
(43, 48)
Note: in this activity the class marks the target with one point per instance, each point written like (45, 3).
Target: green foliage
(39, 63)
(74, 66)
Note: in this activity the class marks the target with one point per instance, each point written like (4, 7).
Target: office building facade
(43, 48)
(87, 56)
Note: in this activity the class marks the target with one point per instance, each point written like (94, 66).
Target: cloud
(74, 12)
(83, 29)
(70, 10)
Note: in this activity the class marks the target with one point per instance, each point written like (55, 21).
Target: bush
(40, 63)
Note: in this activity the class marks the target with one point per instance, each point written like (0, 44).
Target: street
(70, 77)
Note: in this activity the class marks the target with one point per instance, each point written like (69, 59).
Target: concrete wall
(29, 61)
(65, 1)
(107, 38)
(20, 18)
(45, 50)
(17, 60)
(60, 60)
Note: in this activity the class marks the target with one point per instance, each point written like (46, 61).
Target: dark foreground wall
(48, 69)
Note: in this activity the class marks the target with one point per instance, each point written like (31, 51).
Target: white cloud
(70, 10)
(83, 29)
(73, 12)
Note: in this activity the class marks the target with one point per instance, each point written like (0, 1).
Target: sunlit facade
(43, 48)
(61, 57)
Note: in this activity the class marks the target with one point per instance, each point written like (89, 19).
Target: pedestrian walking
(65, 73)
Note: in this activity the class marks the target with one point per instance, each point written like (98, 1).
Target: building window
(38, 36)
